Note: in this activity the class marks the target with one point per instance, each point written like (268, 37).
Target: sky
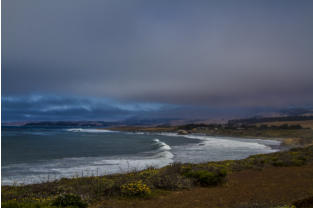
(115, 59)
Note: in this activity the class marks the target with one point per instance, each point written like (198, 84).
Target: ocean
(39, 154)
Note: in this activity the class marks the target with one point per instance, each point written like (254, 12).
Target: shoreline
(288, 138)
(283, 146)
(294, 160)
(263, 180)
(147, 168)
(45, 178)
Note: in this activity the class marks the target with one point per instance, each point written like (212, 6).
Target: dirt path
(270, 187)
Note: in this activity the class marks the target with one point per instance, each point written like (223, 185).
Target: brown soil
(270, 187)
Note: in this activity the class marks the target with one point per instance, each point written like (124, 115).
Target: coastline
(104, 190)
(289, 138)
(285, 143)
(201, 144)
(274, 171)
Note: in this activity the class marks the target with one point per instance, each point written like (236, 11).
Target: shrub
(277, 162)
(69, 200)
(24, 204)
(170, 178)
(208, 178)
(288, 159)
(102, 186)
(172, 181)
(148, 173)
(298, 162)
(135, 189)
(304, 203)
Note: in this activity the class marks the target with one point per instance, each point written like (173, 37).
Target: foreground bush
(135, 189)
(69, 200)
(207, 178)
(172, 181)
(102, 186)
(25, 204)
(304, 203)
(170, 178)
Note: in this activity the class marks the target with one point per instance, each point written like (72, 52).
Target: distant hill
(128, 122)
(269, 119)
(72, 123)
(287, 114)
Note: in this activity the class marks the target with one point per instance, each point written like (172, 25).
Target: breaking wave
(51, 170)
(164, 150)
(89, 130)
(163, 146)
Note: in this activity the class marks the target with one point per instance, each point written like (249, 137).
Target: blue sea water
(37, 154)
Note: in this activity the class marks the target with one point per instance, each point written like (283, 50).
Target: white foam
(163, 146)
(169, 134)
(89, 130)
(86, 166)
(224, 142)
(135, 133)
(219, 142)
(83, 166)
(164, 150)
(220, 148)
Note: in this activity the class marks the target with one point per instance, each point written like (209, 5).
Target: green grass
(207, 178)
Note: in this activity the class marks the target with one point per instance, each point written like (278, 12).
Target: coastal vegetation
(142, 187)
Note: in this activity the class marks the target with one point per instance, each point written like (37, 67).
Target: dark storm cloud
(50, 107)
(212, 53)
(59, 108)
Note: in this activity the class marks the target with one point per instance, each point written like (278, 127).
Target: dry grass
(304, 124)
(270, 187)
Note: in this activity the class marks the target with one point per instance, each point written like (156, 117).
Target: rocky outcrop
(182, 132)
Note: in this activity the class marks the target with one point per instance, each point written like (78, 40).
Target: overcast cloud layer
(202, 53)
